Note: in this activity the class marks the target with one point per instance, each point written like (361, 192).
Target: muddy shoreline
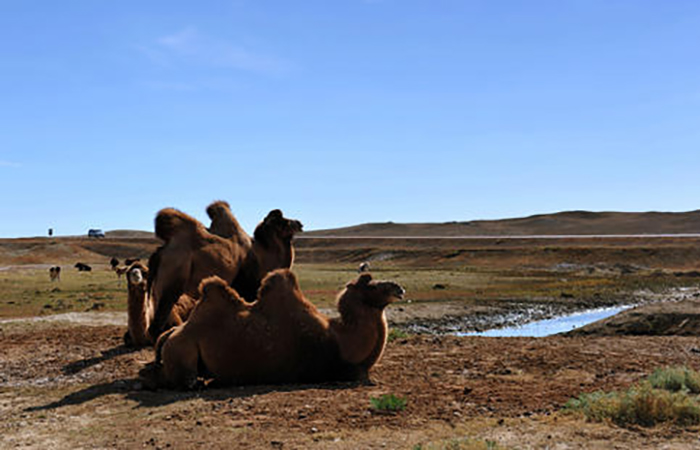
(514, 314)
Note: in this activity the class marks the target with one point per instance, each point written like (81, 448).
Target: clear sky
(346, 111)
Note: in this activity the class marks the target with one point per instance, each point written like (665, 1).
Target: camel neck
(140, 314)
(361, 336)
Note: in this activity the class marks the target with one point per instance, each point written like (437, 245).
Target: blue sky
(344, 112)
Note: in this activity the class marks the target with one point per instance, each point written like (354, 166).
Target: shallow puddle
(552, 326)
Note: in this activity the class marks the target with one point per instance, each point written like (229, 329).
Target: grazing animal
(192, 253)
(280, 338)
(55, 273)
(82, 267)
(121, 271)
(364, 267)
(130, 261)
(140, 308)
(114, 262)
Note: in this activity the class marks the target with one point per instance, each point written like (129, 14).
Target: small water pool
(549, 327)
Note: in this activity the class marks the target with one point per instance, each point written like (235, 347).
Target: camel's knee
(178, 363)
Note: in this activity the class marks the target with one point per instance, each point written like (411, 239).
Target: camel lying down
(280, 338)
(191, 253)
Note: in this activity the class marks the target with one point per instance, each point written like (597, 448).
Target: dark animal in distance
(82, 267)
(121, 271)
(364, 267)
(114, 262)
(55, 273)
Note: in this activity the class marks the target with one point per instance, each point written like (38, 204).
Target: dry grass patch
(668, 395)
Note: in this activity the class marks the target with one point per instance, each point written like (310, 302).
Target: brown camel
(141, 310)
(280, 338)
(192, 253)
(272, 249)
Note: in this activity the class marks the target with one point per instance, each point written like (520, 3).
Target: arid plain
(69, 382)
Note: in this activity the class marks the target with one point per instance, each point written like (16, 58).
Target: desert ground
(66, 380)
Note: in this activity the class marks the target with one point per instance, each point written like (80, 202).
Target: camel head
(137, 274)
(276, 226)
(364, 291)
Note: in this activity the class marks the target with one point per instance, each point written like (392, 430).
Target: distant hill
(563, 223)
(130, 234)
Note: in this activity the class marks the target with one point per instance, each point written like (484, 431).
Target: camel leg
(179, 361)
(165, 305)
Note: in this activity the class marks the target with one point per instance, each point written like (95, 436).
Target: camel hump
(170, 221)
(223, 222)
(217, 209)
(280, 280)
(216, 289)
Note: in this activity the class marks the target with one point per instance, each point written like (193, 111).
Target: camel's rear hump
(170, 221)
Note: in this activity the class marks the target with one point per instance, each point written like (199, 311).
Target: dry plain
(69, 382)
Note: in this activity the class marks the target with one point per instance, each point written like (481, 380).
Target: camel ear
(274, 214)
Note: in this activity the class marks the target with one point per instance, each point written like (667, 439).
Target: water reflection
(549, 327)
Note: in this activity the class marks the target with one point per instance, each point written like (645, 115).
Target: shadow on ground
(77, 366)
(133, 390)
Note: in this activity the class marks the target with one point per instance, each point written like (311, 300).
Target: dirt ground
(76, 386)
(69, 383)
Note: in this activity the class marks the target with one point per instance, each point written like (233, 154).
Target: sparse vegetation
(388, 403)
(460, 444)
(396, 333)
(668, 395)
(676, 379)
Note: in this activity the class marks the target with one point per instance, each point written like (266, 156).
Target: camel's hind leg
(179, 356)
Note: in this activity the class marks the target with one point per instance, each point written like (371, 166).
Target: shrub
(388, 403)
(668, 395)
(676, 379)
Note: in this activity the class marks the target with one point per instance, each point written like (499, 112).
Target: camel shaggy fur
(272, 249)
(280, 338)
(141, 309)
(192, 253)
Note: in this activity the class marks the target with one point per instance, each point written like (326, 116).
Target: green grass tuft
(396, 333)
(388, 403)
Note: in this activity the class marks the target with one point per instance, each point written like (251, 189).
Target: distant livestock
(364, 267)
(82, 267)
(121, 271)
(114, 262)
(55, 273)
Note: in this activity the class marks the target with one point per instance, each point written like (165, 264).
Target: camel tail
(169, 221)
